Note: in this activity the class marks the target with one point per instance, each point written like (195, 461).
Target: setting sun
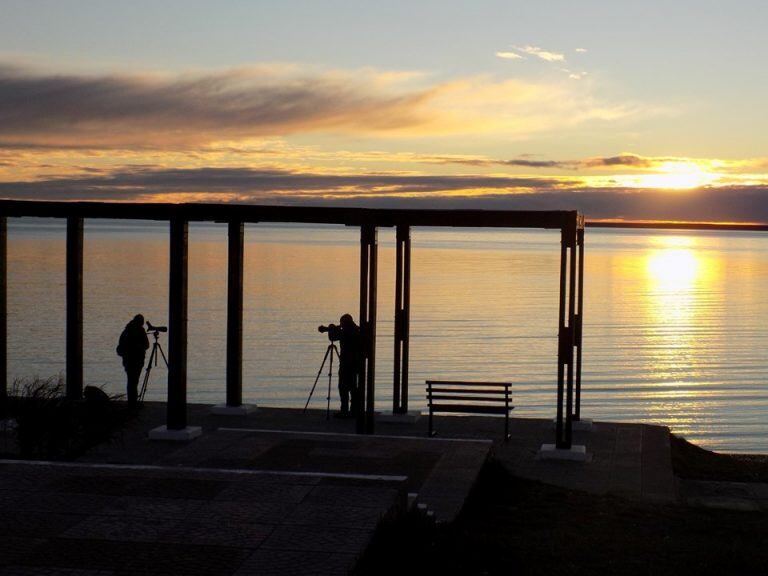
(678, 175)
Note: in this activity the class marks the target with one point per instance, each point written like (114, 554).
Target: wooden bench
(469, 398)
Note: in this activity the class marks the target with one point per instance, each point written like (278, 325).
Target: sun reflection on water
(672, 269)
(679, 279)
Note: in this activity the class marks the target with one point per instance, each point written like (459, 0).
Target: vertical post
(571, 337)
(177, 326)
(566, 336)
(235, 315)
(3, 316)
(368, 288)
(561, 344)
(579, 322)
(74, 329)
(402, 318)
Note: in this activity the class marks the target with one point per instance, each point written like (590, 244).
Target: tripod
(152, 362)
(329, 352)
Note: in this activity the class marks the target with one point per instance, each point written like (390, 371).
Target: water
(675, 322)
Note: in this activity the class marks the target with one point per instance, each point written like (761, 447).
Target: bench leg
(431, 432)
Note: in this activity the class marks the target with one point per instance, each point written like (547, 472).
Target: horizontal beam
(555, 219)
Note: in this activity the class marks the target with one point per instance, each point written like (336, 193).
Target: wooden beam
(561, 345)
(571, 340)
(235, 314)
(570, 223)
(380, 217)
(177, 326)
(74, 329)
(402, 318)
(368, 290)
(3, 316)
(579, 323)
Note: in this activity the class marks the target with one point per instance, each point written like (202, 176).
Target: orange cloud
(161, 111)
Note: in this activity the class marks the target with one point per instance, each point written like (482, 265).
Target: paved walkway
(440, 471)
(279, 491)
(84, 519)
(627, 460)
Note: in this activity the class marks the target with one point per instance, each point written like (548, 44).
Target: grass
(515, 526)
(694, 463)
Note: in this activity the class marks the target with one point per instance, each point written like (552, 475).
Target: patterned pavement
(79, 520)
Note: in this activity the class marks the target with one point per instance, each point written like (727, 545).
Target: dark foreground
(514, 526)
(281, 492)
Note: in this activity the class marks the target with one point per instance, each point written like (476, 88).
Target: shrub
(51, 426)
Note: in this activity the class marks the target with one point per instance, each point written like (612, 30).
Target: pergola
(570, 224)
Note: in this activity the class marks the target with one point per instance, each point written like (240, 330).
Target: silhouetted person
(348, 335)
(132, 348)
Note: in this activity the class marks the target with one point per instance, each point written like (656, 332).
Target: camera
(151, 328)
(334, 333)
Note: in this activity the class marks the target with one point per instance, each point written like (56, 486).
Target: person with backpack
(132, 347)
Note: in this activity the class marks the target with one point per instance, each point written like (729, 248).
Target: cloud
(580, 50)
(160, 112)
(736, 203)
(547, 56)
(51, 110)
(740, 204)
(618, 161)
(146, 183)
(631, 160)
(191, 110)
(509, 55)
(541, 53)
(516, 162)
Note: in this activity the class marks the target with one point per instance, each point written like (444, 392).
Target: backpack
(120, 350)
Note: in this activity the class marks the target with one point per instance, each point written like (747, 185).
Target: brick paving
(83, 520)
(281, 492)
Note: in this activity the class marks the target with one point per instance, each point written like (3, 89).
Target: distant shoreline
(746, 227)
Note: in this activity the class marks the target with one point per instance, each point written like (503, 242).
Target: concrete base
(583, 425)
(410, 417)
(577, 453)
(225, 410)
(183, 435)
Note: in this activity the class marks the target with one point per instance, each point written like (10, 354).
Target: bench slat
(468, 391)
(484, 399)
(457, 383)
(471, 408)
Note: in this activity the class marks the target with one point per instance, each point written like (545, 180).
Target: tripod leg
(327, 351)
(152, 357)
(330, 376)
(162, 354)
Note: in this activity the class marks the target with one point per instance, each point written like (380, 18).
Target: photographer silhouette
(347, 333)
(132, 347)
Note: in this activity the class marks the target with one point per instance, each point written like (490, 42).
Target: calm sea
(675, 327)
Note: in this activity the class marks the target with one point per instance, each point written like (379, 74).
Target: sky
(625, 110)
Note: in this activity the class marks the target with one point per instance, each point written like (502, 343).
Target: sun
(671, 175)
